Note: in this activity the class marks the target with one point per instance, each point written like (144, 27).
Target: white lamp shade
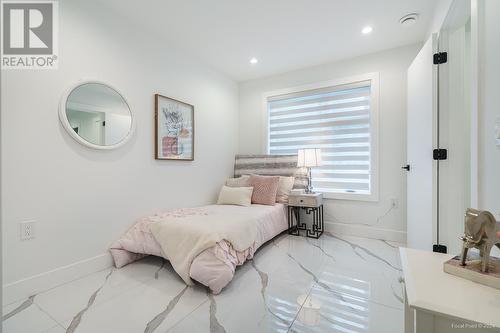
(309, 157)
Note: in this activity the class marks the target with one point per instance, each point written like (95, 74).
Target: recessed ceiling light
(254, 60)
(408, 20)
(366, 30)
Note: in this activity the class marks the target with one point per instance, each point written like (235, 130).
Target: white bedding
(182, 238)
(213, 267)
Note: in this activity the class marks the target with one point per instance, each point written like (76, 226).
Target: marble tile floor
(354, 281)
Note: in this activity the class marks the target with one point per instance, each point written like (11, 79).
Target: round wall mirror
(96, 115)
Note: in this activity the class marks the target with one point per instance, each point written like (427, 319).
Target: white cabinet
(442, 303)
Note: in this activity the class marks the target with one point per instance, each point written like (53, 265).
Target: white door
(420, 121)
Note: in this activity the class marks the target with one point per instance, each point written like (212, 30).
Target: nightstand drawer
(306, 200)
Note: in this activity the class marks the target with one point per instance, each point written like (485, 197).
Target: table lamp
(308, 158)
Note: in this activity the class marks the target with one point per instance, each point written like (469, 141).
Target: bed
(215, 265)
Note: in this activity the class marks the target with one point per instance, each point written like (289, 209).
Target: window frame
(374, 128)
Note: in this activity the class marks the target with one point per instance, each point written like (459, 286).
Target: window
(341, 119)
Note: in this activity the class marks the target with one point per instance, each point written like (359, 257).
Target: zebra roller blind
(335, 119)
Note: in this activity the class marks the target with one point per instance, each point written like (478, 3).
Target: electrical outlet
(394, 203)
(27, 230)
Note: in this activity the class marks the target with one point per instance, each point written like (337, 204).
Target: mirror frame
(65, 121)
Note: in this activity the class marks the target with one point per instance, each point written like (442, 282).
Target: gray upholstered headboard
(271, 165)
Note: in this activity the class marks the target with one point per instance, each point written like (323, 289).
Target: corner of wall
(440, 12)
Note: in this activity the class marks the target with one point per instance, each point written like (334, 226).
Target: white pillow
(284, 187)
(241, 196)
(243, 181)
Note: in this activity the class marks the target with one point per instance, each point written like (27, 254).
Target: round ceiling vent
(409, 20)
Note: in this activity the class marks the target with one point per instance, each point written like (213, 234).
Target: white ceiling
(283, 34)
(96, 97)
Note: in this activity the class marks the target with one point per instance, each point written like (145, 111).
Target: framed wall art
(174, 129)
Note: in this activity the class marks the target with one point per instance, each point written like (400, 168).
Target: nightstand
(312, 204)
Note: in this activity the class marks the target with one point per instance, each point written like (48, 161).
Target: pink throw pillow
(264, 189)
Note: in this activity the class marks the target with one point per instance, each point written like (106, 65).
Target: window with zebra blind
(340, 118)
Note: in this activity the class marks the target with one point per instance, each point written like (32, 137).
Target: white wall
(440, 12)
(84, 199)
(350, 216)
(455, 133)
(489, 107)
(488, 166)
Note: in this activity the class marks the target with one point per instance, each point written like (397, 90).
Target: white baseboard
(366, 231)
(24, 288)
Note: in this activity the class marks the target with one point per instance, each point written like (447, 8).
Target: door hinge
(440, 154)
(439, 248)
(440, 58)
(104, 123)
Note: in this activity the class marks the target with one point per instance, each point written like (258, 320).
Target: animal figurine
(480, 233)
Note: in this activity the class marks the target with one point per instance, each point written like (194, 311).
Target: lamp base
(309, 188)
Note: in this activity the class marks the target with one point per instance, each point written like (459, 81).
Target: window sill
(350, 196)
